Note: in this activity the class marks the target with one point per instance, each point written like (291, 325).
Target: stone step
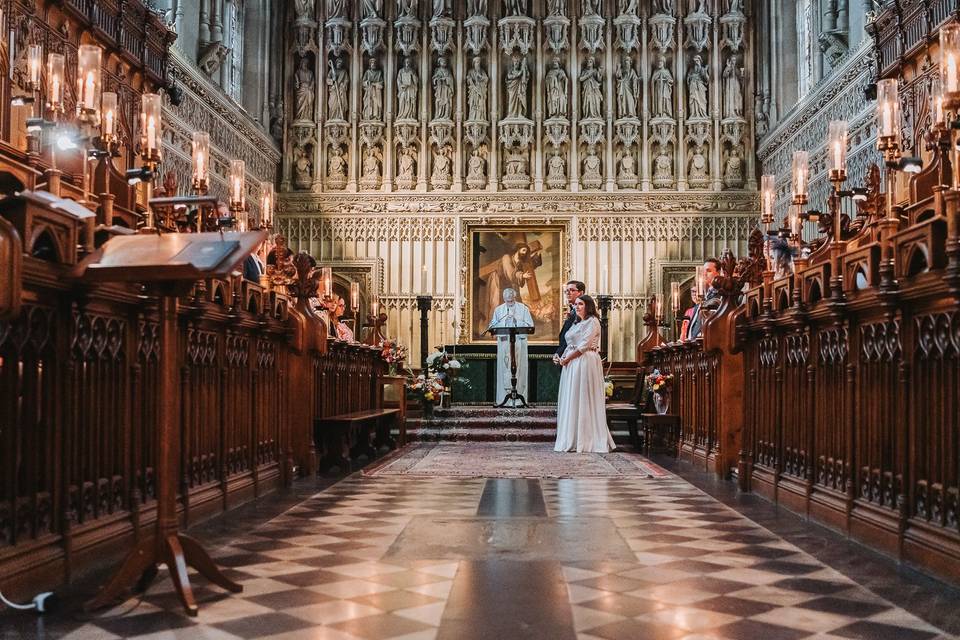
(460, 434)
(458, 413)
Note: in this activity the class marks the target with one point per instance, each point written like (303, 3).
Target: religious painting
(527, 259)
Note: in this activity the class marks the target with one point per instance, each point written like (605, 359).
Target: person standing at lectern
(573, 290)
(511, 314)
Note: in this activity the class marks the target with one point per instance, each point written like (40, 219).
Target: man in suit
(710, 302)
(572, 290)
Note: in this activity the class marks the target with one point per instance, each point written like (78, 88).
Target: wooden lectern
(168, 264)
(512, 332)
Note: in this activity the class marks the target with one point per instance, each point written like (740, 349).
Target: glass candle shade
(108, 116)
(939, 110)
(837, 148)
(658, 307)
(675, 297)
(200, 161)
(150, 126)
(266, 204)
(88, 77)
(34, 64)
(950, 62)
(326, 281)
(801, 175)
(698, 283)
(767, 196)
(237, 179)
(888, 109)
(55, 69)
(354, 297)
(375, 308)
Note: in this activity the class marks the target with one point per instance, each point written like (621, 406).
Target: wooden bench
(348, 436)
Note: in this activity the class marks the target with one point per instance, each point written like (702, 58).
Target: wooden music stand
(512, 332)
(168, 264)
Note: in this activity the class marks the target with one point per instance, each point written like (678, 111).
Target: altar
(479, 366)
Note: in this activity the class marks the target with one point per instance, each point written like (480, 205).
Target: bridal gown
(581, 410)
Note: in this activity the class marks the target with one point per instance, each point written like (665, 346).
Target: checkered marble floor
(327, 570)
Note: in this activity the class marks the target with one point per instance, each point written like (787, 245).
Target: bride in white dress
(581, 410)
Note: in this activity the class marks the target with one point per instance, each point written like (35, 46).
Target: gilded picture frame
(531, 259)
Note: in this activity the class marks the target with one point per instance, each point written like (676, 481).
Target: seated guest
(343, 331)
(253, 267)
(710, 302)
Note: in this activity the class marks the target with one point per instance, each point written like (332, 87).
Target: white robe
(515, 315)
(581, 403)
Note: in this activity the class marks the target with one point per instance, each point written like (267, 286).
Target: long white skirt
(581, 412)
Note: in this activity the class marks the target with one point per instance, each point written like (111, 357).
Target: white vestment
(511, 315)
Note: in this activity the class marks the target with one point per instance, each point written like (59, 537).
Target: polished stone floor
(463, 559)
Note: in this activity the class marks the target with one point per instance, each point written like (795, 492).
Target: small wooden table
(661, 432)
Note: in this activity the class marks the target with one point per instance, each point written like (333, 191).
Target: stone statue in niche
(478, 83)
(733, 172)
(732, 89)
(477, 169)
(762, 114)
(407, 84)
(304, 89)
(516, 7)
(591, 176)
(338, 84)
(407, 8)
(336, 165)
(628, 89)
(442, 90)
(628, 7)
(557, 86)
(556, 170)
(662, 81)
(591, 81)
(518, 77)
(372, 92)
(697, 80)
(663, 170)
(735, 6)
(663, 7)
(697, 169)
(591, 7)
(302, 168)
(627, 174)
(372, 8)
(406, 168)
(336, 9)
(441, 8)
(476, 8)
(276, 120)
(441, 167)
(698, 6)
(371, 167)
(304, 9)
(557, 7)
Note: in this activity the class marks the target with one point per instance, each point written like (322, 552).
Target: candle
(375, 310)
(266, 204)
(938, 110)
(675, 296)
(838, 146)
(658, 306)
(150, 119)
(201, 160)
(354, 297)
(88, 76)
(108, 116)
(767, 192)
(800, 170)
(237, 179)
(888, 106)
(949, 58)
(326, 279)
(34, 58)
(55, 66)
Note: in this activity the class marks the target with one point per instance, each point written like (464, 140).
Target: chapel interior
(255, 377)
